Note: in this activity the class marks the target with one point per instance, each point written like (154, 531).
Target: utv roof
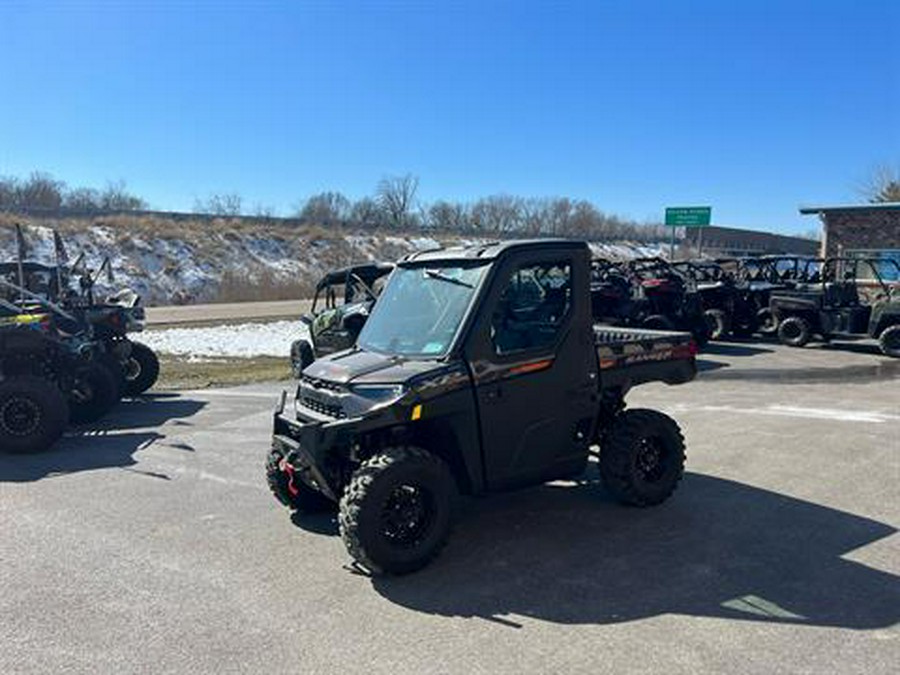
(488, 250)
(368, 273)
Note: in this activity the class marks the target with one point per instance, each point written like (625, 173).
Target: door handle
(493, 393)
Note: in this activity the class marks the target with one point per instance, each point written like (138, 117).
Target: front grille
(316, 383)
(323, 408)
(306, 397)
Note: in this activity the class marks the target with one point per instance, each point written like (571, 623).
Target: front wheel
(794, 331)
(395, 514)
(141, 369)
(33, 414)
(766, 321)
(642, 457)
(301, 356)
(890, 341)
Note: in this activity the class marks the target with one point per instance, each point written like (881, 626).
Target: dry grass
(241, 286)
(179, 373)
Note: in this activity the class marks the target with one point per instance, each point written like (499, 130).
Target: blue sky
(751, 107)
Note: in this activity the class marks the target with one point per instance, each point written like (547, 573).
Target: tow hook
(288, 468)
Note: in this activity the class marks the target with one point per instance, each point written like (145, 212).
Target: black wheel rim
(652, 459)
(791, 331)
(132, 369)
(83, 390)
(407, 516)
(20, 416)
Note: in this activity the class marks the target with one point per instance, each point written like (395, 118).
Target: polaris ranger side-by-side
(832, 307)
(480, 369)
(339, 310)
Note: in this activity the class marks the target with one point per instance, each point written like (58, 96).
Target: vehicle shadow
(316, 523)
(146, 412)
(77, 453)
(855, 347)
(848, 374)
(719, 548)
(734, 349)
(707, 365)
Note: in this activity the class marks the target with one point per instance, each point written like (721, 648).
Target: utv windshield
(420, 310)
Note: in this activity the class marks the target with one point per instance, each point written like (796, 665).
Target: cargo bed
(631, 356)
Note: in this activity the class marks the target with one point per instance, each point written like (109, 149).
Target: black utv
(732, 306)
(342, 303)
(480, 369)
(109, 320)
(833, 306)
(34, 370)
(647, 293)
(36, 339)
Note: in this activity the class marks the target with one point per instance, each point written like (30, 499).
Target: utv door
(535, 369)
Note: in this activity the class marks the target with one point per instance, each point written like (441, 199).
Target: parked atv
(731, 306)
(833, 307)
(88, 375)
(341, 305)
(34, 411)
(656, 297)
(109, 321)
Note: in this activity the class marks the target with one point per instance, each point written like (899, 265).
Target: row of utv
(65, 355)
(796, 299)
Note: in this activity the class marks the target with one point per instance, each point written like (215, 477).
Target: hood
(362, 367)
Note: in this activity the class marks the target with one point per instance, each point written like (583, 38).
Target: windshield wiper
(434, 274)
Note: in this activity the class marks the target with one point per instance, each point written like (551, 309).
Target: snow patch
(244, 340)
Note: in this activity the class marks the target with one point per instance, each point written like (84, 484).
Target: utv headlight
(379, 393)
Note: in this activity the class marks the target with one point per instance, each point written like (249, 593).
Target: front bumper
(317, 445)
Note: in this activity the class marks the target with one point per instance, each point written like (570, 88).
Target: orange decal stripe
(532, 367)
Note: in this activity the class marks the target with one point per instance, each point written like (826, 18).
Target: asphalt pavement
(152, 545)
(226, 311)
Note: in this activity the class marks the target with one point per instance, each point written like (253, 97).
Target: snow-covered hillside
(183, 261)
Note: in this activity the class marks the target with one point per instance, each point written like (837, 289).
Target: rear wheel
(642, 457)
(289, 488)
(890, 341)
(794, 331)
(141, 369)
(33, 414)
(718, 323)
(395, 514)
(95, 392)
(658, 322)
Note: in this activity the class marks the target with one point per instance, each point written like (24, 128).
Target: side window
(532, 308)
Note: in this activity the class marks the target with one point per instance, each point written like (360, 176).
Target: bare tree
(9, 193)
(366, 213)
(41, 191)
(261, 210)
(444, 215)
(82, 199)
(326, 208)
(497, 214)
(117, 198)
(882, 186)
(220, 205)
(396, 196)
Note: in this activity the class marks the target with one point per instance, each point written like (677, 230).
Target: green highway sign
(688, 216)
